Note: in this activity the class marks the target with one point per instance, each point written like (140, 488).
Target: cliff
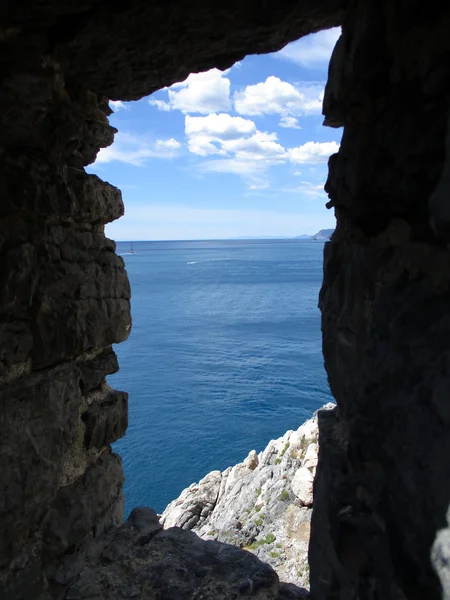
(262, 504)
(323, 234)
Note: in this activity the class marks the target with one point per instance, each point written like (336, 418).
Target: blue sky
(227, 154)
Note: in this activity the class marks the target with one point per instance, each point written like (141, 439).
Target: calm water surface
(224, 355)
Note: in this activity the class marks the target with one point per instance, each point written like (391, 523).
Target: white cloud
(206, 135)
(117, 105)
(203, 93)
(179, 222)
(160, 104)
(308, 190)
(289, 122)
(313, 152)
(254, 173)
(274, 96)
(312, 50)
(170, 145)
(235, 145)
(233, 137)
(203, 145)
(137, 150)
(221, 126)
(245, 151)
(259, 147)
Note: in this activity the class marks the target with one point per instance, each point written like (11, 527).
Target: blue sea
(224, 355)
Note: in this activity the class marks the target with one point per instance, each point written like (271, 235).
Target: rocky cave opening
(196, 113)
(381, 496)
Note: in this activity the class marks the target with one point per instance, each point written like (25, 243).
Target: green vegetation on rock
(285, 449)
(284, 496)
(269, 539)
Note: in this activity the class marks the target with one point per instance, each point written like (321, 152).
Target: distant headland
(323, 234)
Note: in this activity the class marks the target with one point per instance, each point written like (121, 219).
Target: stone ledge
(94, 371)
(106, 421)
(140, 560)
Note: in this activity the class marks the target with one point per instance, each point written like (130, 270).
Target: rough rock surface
(382, 491)
(185, 37)
(263, 504)
(141, 560)
(64, 300)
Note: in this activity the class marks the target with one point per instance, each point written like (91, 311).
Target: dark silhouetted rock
(141, 560)
(382, 490)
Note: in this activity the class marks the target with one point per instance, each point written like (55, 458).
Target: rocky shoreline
(262, 505)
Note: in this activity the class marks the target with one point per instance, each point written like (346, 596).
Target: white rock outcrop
(263, 504)
(302, 485)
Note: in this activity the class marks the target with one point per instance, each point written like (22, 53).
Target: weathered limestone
(262, 504)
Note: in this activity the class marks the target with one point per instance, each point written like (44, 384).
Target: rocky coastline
(262, 505)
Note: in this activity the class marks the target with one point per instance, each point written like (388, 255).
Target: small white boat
(132, 249)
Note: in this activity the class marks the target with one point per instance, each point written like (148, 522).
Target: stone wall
(383, 485)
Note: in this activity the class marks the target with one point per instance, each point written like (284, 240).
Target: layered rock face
(382, 490)
(64, 299)
(263, 504)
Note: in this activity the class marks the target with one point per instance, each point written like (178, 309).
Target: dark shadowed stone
(97, 200)
(382, 488)
(33, 455)
(95, 370)
(383, 485)
(19, 274)
(141, 526)
(139, 560)
(64, 293)
(16, 341)
(106, 421)
(83, 300)
(26, 583)
(289, 591)
(33, 187)
(79, 507)
(143, 520)
(78, 326)
(186, 37)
